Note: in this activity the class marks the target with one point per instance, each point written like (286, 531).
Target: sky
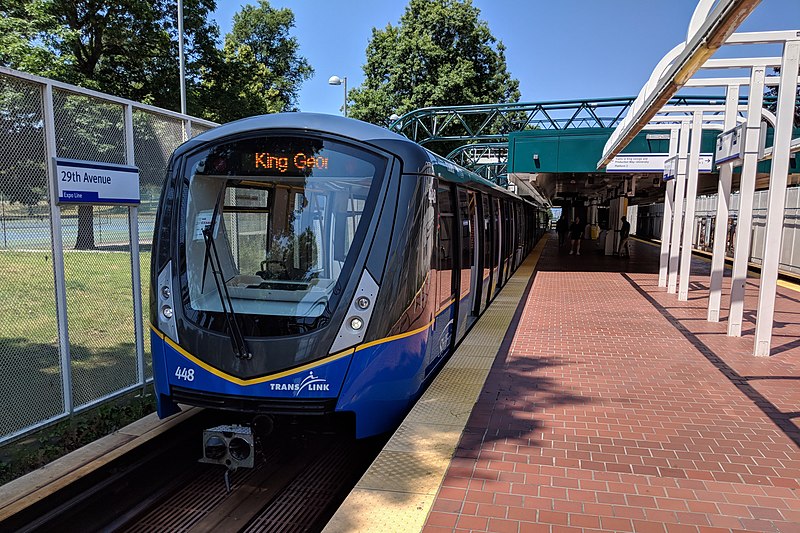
(557, 49)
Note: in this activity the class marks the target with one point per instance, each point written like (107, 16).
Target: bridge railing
(493, 122)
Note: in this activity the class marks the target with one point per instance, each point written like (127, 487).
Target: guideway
(618, 407)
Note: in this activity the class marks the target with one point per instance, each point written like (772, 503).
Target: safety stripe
(320, 362)
(254, 381)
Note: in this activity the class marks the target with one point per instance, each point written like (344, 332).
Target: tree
(126, 49)
(129, 48)
(261, 70)
(441, 53)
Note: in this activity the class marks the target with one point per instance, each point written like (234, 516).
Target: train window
(466, 204)
(445, 245)
(499, 242)
(286, 214)
(486, 229)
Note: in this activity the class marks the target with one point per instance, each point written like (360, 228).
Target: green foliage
(441, 53)
(130, 49)
(261, 70)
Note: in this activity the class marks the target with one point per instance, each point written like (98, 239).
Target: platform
(613, 406)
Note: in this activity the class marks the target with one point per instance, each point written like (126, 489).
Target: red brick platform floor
(615, 407)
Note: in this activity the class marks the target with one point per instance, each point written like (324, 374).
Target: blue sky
(557, 49)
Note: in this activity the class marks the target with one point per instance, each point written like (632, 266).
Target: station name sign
(654, 163)
(95, 183)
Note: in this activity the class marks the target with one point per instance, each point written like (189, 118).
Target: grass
(101, 331)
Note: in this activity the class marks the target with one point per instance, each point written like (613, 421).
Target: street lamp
(336, 80)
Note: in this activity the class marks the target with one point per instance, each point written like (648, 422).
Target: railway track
(297, 484)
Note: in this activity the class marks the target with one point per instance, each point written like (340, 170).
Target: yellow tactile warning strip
(397, 491)
(31, 488)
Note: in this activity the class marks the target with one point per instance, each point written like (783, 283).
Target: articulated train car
(308, 264)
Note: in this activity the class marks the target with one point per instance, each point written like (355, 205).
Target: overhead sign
(670, 168)
(730, 145)
(91, 182)
(651, 163)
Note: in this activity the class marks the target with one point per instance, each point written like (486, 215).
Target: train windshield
(270, 224)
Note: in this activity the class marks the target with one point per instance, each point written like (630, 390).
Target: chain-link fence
(69, 330)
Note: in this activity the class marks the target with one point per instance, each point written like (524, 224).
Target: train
(307, 264)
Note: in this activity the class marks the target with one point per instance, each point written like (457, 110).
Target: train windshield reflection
(282, 239)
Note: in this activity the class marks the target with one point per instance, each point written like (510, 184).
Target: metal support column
(133, 232)
(58, 250)
(777, 196)
(677, 209)
(688, 210)
(747, 186)
(666, 219)
(723, 207)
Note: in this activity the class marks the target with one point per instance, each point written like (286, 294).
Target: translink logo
(310, 383)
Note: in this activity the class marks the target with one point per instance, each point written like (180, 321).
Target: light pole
(181, 58)
(336, 80)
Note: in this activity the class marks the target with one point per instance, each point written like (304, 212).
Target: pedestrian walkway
(617, 407)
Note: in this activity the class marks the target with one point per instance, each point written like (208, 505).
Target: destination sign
(281, 162)
(92, 182)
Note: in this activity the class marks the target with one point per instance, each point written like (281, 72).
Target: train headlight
(165, 307)
(356, 323)
(362, 302)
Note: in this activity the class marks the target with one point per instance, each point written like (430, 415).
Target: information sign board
(730, 145)
(651, 163)
(92, 182)
(670, 168)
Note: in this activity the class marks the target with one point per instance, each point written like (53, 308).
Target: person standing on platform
(576, 234)
(562, 228)
(624, 234)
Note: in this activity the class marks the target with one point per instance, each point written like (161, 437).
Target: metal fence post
(666, 221)
(688, 210)
(747, 186)
(677, 209)
(133, 232)
(51, 152)
(777, 197)
(723, 209)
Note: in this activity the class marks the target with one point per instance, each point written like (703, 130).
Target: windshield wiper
(240, 348)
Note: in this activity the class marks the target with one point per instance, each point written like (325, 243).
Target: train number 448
(186, 374)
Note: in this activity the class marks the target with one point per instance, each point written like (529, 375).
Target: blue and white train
(308, 264)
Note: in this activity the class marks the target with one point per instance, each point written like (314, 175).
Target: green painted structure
(577, 150)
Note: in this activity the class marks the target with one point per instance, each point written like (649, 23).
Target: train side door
(443, 337)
